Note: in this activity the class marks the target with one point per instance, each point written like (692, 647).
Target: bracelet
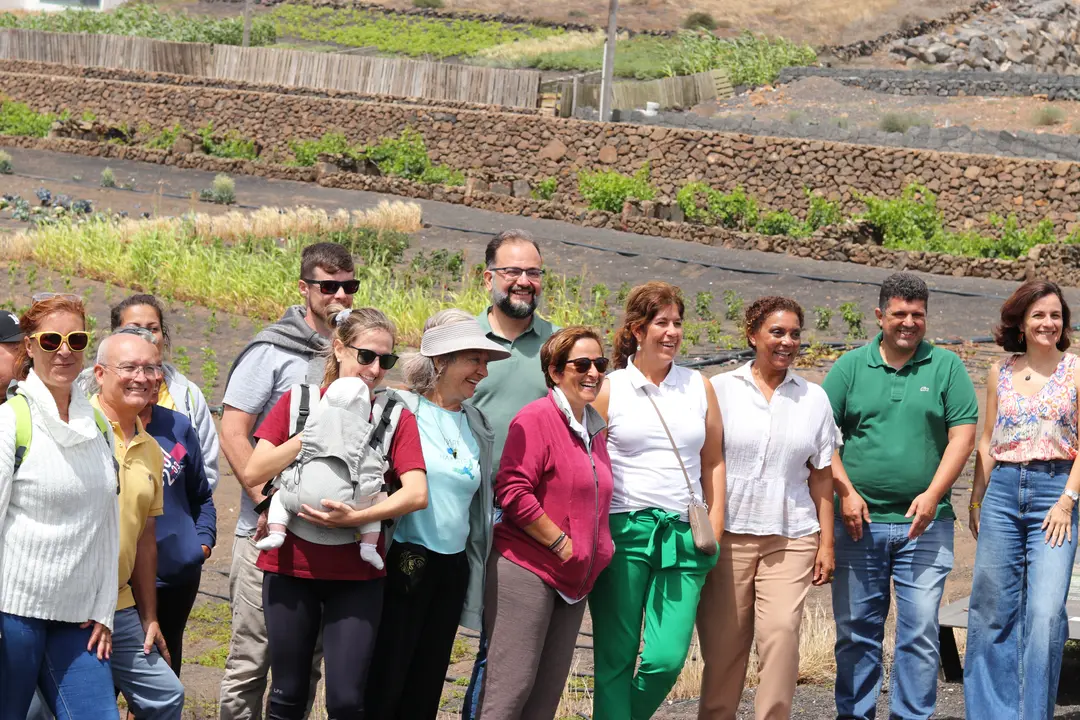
(974, 506)
(553, 547)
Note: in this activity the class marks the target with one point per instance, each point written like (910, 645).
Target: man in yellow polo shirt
(128, 365)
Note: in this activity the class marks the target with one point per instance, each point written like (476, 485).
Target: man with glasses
(284, 354)
(10, 337)
(127, 371)
(514, 279)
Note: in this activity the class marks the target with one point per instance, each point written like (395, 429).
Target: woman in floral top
(1023, 512)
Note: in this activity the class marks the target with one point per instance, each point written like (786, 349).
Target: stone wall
(945, 84)
(1060, 263)
(956, 139)
(775, 170)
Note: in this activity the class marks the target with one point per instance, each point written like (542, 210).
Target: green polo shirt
(896, 423)
(512, 383)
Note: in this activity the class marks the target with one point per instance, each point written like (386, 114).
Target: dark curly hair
(642, 305)
(763, 308)
(1010, 334)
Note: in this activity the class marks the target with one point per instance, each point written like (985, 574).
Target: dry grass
(511, 53)
(272, 222)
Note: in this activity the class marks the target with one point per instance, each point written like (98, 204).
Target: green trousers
(656, 575)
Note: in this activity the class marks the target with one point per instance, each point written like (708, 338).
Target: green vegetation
(545, 189)
(853, 316)
(733, 306)
(823, 212)
(407, 157)
(901, 122)
(399, 34)
(781, 222)
(699, 21)
(428, 4)
(1048, 115)
(229, 145)
(608, 189)
(306, 152)
(703, 305)
(108, 179)
(164, 139)
(6, 168)
(704, 204)
(222, 192)
(145, 20)
(822, 317)
(17, 118)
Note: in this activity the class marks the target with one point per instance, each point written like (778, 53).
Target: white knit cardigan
(59, 516)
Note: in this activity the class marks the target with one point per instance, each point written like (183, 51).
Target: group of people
(516, 476)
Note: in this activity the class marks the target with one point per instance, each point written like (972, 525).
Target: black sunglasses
(582, 365)
(366, 357)
(330, 287)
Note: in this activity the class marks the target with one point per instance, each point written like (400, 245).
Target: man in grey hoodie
(282, 355)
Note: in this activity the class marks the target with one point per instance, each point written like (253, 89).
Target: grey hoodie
(292, 333)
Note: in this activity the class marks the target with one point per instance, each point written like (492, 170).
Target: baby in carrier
(343, 458)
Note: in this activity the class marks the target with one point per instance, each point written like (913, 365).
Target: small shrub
(165, 139)
(17, 118)
(781, 223)
(442, 175)
(895, 122)
(88, 116)
(608, 190)
(1048, 115)
(910, 222)
(699, 21)
(704, 204)
(231, 145)
(108, 179)
(733, 306)
(853, 316)
(703, 305)
(306, 152)
(823, 212)
(222, 192)
(822, 317)
(6, 168)
(545, 189)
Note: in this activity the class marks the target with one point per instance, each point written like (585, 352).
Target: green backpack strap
(24, 428)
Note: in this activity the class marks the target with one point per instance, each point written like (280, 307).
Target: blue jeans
(147, 682)
(861, 596)
(1017, 623)
(476, 682)
(52, 654)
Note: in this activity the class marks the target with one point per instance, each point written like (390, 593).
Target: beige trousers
(757, 588)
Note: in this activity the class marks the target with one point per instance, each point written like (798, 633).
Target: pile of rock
(1028, 37)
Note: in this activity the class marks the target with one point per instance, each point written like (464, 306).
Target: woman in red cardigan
(554, 487)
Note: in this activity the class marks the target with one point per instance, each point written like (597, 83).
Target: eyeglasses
(50, 342)
(513, 273)
(582, 365)
(43, 296)
(330, 287)
(366, 357)
(127, 370)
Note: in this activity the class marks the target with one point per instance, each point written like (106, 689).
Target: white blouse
(643, 464)
(767, 446)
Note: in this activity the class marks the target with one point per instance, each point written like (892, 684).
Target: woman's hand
(824, 564)
(336, 515)
(973, 520)
(1058, 524)
(567, 550)
(100, 638)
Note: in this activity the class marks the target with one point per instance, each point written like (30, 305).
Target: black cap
(9, 327)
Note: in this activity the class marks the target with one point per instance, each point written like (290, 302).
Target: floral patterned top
(1040, 427)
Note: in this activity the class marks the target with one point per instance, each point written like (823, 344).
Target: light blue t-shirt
(443, 526)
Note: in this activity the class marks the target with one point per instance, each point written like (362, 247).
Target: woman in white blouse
(778, 445)
(657, 571)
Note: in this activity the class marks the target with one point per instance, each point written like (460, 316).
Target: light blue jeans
(53, 655)
(861, 596)
(1017, 623)
(148, 684)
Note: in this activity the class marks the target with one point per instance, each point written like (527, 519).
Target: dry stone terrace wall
(775, 170)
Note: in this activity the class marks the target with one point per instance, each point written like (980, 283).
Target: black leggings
(348, 611)
(174, 603)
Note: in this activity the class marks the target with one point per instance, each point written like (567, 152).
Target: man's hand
(154, 637)
(100, 639)
(923, 508)
(206, 552)
(855, 512)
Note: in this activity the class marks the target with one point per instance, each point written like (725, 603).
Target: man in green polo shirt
(907, 411)
(514, 277)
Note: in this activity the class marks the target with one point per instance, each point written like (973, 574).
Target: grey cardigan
(481, 512)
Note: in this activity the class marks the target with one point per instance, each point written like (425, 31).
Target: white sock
(370, 553)
(273, 540)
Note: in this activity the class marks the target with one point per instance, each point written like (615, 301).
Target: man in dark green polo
(907, 411)
(514, 277)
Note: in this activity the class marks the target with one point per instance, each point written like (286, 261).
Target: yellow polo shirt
(142, 496)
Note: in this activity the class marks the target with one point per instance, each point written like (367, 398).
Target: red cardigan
(546, 468)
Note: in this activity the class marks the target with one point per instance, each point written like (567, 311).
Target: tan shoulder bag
(697, 511)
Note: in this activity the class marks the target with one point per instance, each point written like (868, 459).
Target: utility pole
(606, 91)
(247, 23)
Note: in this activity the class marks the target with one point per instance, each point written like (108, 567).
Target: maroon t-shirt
(303, 559)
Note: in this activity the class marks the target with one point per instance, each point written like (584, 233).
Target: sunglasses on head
(50, 342)
(366, 357)
(330, 287)
(582, 365)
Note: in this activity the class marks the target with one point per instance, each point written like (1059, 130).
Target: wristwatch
(1072, 495)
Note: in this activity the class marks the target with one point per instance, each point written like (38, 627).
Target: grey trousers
(531, 634)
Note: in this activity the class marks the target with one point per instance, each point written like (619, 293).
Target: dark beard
(504, 302)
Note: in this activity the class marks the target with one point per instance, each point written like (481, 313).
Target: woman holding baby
(321, 580)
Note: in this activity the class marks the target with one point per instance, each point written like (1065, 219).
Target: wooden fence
(326, 71)
(684, 91)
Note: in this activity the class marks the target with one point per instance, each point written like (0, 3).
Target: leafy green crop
(608, 189)
(407, 157)
(781, 222)
(702, 203)
(823, 212)
(307, 152)
(229, 145)
(399, 34)
(145, 20)
(17, 118)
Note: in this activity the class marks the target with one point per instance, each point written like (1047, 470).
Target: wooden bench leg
(951, 669)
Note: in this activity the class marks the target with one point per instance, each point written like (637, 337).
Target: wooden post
(609, 62)
(247, 23)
